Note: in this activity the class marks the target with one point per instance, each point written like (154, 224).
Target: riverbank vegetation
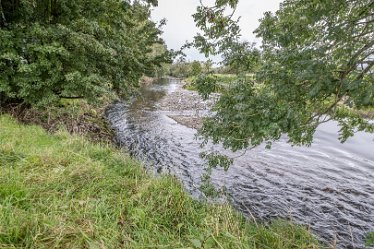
(62, 62)
(183, 69)
(59, 59)
(220, 82)
(52, 50)
(61, 191)
(77, 116)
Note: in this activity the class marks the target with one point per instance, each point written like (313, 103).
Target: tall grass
(61, 191)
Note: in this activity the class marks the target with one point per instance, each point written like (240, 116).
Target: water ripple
(328, 186)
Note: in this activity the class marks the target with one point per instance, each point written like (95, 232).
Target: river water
(328, 186)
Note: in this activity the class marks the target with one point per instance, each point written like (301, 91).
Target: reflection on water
(328, 186)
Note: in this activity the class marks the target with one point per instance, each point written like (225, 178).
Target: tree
(52, 49)
(316, 56)
(196, 68)
(180, 68)
(160, 65)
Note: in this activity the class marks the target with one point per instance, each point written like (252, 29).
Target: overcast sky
(180, 26)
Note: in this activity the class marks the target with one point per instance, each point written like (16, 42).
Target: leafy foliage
(160, 67)
(196, 68)
(183, 69)
(53, 48)
(316, 57)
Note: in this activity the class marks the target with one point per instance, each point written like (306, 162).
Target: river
(328, 187)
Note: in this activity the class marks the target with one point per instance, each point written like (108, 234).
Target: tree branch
(71, 97)
(366, 70)
(352, 62)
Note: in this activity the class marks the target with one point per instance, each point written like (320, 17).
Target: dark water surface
(328, 186)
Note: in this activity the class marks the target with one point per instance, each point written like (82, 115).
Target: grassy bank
(61, 191)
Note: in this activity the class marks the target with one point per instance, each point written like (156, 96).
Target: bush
(73, 49)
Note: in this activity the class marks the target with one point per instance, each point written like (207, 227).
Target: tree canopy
(315, 64)
(51, 49)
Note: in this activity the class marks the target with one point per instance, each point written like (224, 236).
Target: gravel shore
(187, 106)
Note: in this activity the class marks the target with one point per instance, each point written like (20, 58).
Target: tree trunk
(2, 16)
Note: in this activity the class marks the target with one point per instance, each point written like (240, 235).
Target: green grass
(61, 191)
(370, 239)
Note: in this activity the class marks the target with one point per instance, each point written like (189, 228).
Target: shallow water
(328, 186)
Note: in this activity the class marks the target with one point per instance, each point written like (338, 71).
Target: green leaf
(196, 243)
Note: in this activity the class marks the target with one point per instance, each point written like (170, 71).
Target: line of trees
(183, 69)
